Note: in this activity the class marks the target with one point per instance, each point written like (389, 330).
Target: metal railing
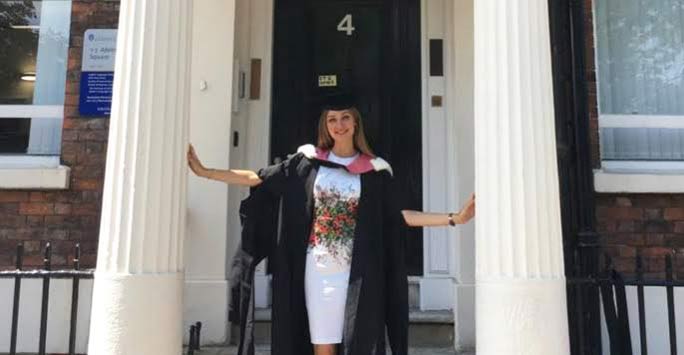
(611, 286)
(46, 274)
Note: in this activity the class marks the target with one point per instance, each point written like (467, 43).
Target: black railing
(46, 273)
(611, 286)
(194, 341)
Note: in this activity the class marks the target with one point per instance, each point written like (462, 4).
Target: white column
(521, 302)
(137, 300)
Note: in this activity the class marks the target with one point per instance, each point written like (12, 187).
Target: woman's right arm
(230, 176)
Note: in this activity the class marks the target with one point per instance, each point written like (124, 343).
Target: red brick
(619, 213)
(17, 233)
(625, 251)
(73, 123)
(673, 214)
(626, 226)
(36, 208)
(12, 221)
(9, 208)
(69, 135)
(95, 135)
(96, 147)
(655, 226)
(88, 184)
(62, 209)
(13, 196)
(39, 196)
(73, 148)
(68, 222)
(654, 239)
(35, 221)
(90, 221)
(633, 239)
(653, 213)
(97, 123)
(32, 246)
(71, 88)
(656, 251)
(623, 202)
(89, 209)
(652, 201)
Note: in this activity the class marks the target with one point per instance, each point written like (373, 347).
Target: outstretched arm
(427, 219)
(230, 176)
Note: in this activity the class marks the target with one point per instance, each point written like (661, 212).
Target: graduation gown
(377, 296)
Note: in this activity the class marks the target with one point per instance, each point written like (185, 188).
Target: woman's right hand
(194, 162)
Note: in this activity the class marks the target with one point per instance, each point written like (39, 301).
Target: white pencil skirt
(326, 296)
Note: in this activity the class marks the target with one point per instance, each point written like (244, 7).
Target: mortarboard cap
(338, 101)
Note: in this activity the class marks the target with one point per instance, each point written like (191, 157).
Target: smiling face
(341, 125)
(338, 126)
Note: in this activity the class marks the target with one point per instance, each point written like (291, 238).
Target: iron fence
(46, 274)
(611, 286)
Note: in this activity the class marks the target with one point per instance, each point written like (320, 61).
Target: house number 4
(346, 25)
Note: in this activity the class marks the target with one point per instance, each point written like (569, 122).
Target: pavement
(265, 350)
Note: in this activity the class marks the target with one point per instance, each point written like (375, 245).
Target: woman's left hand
(468, 211)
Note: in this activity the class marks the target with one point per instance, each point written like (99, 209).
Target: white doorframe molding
(439, 173)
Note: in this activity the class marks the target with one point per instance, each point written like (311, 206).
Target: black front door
(370, 48)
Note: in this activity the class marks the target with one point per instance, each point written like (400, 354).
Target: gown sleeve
(274, 177)
(396, 292)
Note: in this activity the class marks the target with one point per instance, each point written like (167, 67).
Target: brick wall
(651, 224)
(65, 217)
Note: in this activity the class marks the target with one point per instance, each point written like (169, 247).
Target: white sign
(99, 50)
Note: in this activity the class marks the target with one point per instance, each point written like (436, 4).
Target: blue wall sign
(97, 72)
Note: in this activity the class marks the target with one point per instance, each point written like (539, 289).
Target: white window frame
(635, 176)
(23, 171)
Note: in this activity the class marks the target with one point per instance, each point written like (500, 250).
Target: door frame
(441, 269)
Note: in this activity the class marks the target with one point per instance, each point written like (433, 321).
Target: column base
(137, 314)
(522, 317)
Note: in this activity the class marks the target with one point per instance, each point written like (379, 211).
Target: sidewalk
(264, 350)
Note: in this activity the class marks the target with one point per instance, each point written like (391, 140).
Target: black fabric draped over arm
(396, 282)
(259, 218)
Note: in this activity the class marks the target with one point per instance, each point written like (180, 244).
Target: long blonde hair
(325, 141)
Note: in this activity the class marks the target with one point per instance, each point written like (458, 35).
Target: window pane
(14, 135)
(34, 42)
(642, 143)
(34, 36)
(640, 54)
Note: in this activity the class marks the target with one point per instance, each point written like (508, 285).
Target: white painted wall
(59, 315)
(460, 86)
(206, 245)
(252, 119)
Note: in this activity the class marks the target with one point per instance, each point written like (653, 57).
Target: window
(640, 67)
(34, 42)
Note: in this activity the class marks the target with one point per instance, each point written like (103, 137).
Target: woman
(339, 277)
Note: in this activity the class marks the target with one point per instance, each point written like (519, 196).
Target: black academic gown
(377, 297)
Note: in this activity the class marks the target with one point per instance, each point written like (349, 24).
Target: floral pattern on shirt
(334, 222)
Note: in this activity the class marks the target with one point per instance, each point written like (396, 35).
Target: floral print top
(336, 202)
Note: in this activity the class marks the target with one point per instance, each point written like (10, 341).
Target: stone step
(265, 350)
(427, 329)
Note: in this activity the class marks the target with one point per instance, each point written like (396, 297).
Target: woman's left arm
(428, 219)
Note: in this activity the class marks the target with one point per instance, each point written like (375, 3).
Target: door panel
(369, 48)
